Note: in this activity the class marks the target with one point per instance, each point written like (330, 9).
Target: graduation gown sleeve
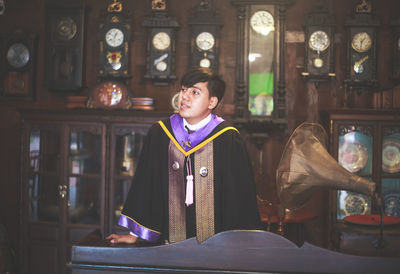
(144, 212)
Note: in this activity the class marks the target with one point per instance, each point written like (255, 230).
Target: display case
(77, 167)
(366, 143)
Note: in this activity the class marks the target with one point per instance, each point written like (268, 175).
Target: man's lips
(185, 106)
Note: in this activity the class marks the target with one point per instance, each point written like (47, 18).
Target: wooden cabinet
(366, 143)
(77, 167)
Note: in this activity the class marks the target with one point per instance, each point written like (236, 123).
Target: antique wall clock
(318, 60)
(204, 37)
(361, 47)
(160, 54)
(260, 93)
(111, 91)
(19, 51)
(64, 46)
(114, 36)
(395, 24)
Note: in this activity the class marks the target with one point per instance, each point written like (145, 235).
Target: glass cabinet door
(355, 153)
(367, 144)
(127, 145)
(76, 171)
(391, 169)
(43, 174)
(85, 172)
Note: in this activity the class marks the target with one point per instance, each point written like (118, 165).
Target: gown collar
(188, 141)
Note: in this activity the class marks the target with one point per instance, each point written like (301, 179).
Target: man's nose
(185, 95)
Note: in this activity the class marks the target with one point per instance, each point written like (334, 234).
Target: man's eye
(195, 92)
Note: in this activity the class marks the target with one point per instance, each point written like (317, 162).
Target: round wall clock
(66, 28)
(161, 40)
(160, 53)
(114, 37)
(64, 46)
(18, 71)
(18, 55)
(205, 40)
(318, 59)
(262, 22)
(362, 30)
(319, 40)
(361, 42)
(204, 37)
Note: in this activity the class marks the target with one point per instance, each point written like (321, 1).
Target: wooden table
(231, 251)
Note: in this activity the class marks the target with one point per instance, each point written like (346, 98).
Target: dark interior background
(304, 99)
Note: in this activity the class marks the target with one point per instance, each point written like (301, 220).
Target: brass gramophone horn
(306, 166)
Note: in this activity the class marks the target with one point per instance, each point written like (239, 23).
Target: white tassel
(189, 190)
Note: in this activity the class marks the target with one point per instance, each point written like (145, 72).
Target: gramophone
(306, 166)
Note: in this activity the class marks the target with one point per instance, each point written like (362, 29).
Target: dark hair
(216, 86)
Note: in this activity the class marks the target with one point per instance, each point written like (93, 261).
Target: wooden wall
(305, 100)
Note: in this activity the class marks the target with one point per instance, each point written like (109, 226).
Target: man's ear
(213, 102)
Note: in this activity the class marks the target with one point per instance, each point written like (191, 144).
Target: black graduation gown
(235, 201)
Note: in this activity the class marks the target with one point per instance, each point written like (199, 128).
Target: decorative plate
(391, 155)
(355, 204)
(392, 204)
(352, 156)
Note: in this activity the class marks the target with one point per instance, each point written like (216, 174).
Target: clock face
(319, 40)
(161, 41)
(66, 28)
(205, 41)
(18, 55)
(114, 37)
(262, 22)
(361, 42)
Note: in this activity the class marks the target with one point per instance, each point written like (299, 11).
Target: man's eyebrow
(196, 87)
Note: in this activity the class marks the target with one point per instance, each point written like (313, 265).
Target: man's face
(195, 102)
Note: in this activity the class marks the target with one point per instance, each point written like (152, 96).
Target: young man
(194, 176)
